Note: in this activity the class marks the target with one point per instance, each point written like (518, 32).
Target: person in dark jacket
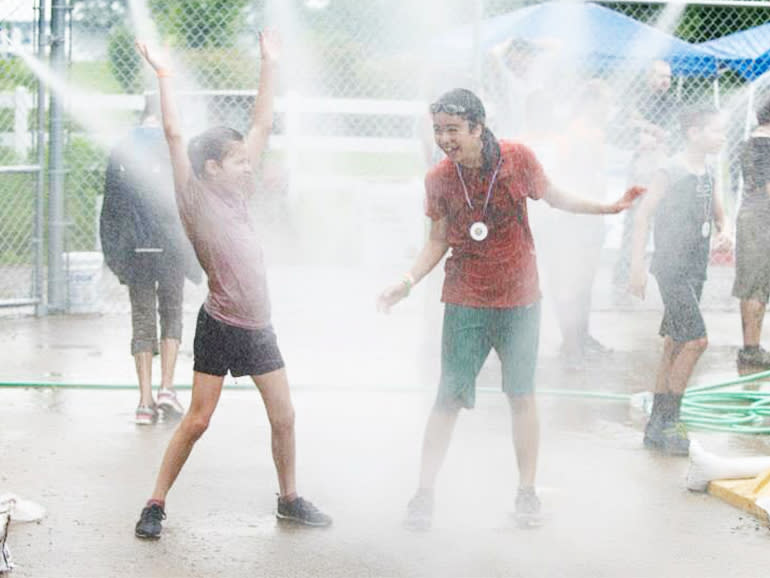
(145, 246)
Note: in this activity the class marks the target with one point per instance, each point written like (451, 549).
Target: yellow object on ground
(749, 494)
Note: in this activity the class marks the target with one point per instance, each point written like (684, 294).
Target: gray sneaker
(301, 511)
(419, 511)
(754, 357)
(527, 514)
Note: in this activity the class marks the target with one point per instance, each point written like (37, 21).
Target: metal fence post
(37, 282)
(56, 284)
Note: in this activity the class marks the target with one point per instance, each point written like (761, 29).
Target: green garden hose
(710, 407)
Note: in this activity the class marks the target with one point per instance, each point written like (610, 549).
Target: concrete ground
(363, 386)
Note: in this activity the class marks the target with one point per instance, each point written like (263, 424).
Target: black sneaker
(301, 511)
(653, 435)
(759, 358)
(675, 440)
(527, 514)
(419, 511)
(149, 525)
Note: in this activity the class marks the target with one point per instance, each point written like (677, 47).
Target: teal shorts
(470, 333)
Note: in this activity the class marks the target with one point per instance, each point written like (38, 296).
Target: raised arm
(262, 117)
(560, 199)
(432, 252)
(172, 128)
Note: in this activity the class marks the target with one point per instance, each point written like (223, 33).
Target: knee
(195, 425)
(283, 422)
(698, 345)
(522, 404)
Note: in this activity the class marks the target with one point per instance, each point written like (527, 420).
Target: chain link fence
(351, 140)
(19, 163)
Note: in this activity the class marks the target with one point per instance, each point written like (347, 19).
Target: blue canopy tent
(747, 52)
(597, 35)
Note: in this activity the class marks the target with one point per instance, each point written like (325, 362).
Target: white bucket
(84, 275)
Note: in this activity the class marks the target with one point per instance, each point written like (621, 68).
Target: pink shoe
(146, 415)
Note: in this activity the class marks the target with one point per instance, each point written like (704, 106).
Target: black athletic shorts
(682, 318)
(220, 348)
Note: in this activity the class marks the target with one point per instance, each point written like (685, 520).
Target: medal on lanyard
(479, 230)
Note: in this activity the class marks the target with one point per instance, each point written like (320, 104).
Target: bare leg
(169, 349)
(438, 434)
(752, 316)
(274, 387)
(670, 350)
(526, 436)
(143, 363)
(684, 363)
(205, 396)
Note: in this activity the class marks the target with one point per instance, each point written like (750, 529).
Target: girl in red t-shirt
(476, 199)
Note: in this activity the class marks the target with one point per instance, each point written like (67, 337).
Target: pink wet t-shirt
(228, 249)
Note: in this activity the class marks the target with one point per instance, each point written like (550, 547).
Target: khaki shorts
(752, 258)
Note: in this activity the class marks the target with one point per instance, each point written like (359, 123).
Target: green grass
(94, 76)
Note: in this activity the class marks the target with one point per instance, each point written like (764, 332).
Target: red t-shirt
(501, 270)
(228, 248)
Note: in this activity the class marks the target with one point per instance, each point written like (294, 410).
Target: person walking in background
(145, 247)
(684, 203)
(648, 125)
(476, 199)
(213, 179)
(571, 257)
(752, 243)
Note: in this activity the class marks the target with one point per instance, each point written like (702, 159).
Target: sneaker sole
(169, 410)
(143, 536)
(144, 421)
(528, 521)
(418, 526)
(294, 520)
(651, 444)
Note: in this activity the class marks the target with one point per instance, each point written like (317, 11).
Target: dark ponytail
(490, 150)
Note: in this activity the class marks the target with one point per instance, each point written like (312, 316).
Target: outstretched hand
(270, 45)
(628, 199)
(155, 60)
(391, 296)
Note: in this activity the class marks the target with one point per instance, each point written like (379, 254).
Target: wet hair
(463, 103)
(212, 144)
(763, 108)
(695, 116)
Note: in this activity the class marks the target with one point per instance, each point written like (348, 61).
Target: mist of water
(88, 109)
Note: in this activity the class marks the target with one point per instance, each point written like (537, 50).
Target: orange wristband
(162, 73)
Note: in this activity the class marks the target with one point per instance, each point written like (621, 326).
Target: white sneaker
(145, 415)
(169, 404)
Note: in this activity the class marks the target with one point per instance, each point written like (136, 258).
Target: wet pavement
(363, 386)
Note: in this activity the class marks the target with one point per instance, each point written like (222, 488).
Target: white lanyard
(489, 190)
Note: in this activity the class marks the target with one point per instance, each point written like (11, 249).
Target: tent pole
(749, 111)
